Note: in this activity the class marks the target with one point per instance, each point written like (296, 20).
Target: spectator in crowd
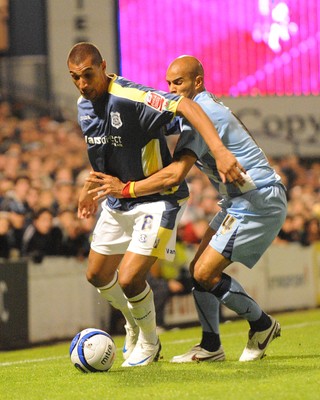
(6, 187)
(16, 200)
(64, 196)
(7, 239)
(64, 174)
(18, 222)
(11, 165)
(286, 234)
(209, 202)
(41, 238)
(33, 199)
(311, 232)
(74, 239)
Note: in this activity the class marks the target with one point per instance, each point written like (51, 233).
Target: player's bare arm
(228, 166)
(166, 178)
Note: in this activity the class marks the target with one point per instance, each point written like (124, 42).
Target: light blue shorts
(247, 225)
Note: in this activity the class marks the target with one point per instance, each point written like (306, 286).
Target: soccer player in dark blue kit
(251, 216)
(122, 125)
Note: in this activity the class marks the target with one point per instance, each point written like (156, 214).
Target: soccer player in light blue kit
(251, 216)
(122, 126)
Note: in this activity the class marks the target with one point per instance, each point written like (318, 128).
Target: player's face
(181, 83)
(90, 79)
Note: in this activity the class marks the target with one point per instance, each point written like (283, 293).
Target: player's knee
(99, 277)
(131, 285)
(125, 282)
(201, 278)
(206, 278)
(93, 278)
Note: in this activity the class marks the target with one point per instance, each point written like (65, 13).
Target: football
(92, 350)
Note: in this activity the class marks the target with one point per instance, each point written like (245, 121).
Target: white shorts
(247, 225)
(149, 229)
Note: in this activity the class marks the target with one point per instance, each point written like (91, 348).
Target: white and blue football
(92, 350)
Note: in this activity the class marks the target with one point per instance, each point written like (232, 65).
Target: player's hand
(108, 185)
(229, 168)
(87, 205)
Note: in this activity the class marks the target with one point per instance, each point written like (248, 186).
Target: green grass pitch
(291, 369)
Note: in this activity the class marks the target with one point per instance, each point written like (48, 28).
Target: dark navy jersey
(124, 135)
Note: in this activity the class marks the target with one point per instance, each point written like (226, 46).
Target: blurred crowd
(43, 164)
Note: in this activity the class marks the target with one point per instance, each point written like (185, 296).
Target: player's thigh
(203, 245)
(101, 267)
(112, 233)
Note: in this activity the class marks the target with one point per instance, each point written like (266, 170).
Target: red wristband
(126, 190)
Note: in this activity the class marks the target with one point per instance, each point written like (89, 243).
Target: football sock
(263, 323)
(115, 296)
(210, 341)
(207, 307)
(230, 293)
(143, 310)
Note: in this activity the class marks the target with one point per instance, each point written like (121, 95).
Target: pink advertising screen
(247, 47)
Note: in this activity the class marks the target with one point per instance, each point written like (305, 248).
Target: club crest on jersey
(227, 224)
(143, 238)
(156, 101)
(115, 119)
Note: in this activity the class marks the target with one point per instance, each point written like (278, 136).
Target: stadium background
(271, 82)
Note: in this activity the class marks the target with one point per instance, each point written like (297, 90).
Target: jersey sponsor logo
(116, 120)
(170, 251)
(156, 101)
(115, 141)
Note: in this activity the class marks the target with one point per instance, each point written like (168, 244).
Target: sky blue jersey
(124, 135)
(236, 138)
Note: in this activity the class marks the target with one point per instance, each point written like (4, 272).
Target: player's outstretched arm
(228, 166)
(164, 179)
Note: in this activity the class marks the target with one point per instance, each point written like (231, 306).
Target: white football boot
(130, 341)
(197, 354)
(259, 341)
(143, 354)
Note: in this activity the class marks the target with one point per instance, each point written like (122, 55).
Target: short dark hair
(82, 50)
(41, 211)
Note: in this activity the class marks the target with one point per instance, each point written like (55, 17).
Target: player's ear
(104, 65)
(198, 81)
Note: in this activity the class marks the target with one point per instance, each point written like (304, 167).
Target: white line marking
(35, 360)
